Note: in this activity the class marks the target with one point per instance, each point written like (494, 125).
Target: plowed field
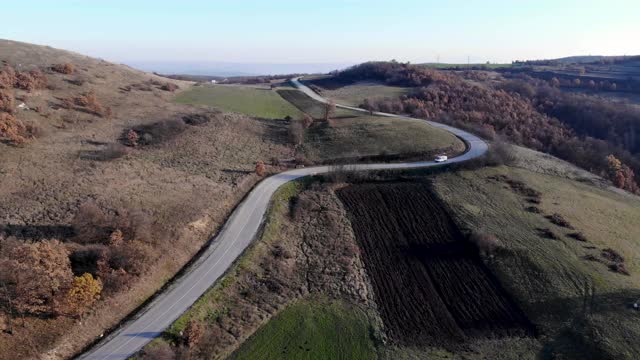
(430, 285)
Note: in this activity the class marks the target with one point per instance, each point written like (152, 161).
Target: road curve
(236, 234)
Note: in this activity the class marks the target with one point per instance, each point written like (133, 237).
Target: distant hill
(581, 59)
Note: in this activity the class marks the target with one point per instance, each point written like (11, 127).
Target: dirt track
(430, 285)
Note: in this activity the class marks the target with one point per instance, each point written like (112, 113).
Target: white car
(441, 158)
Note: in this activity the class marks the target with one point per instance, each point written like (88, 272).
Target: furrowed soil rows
(430, 284)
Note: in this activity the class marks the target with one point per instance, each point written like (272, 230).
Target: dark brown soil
(430, 284)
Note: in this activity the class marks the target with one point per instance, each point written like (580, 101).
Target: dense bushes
(13, 130)
(8, 77)
(169, 87)
(87, 102)
(30, 81)
(65, 68)
(7, 102)
(25, 80)
(393, 73)
(115, 246)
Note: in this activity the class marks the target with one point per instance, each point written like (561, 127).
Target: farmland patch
(430, 284)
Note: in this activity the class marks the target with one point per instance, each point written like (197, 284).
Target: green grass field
(550, 277)
(312, 330)
(356, 134)
(248, 100)
(367, 136)
(355, 94)
(309, 106)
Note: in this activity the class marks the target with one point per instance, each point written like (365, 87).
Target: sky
(329, 33)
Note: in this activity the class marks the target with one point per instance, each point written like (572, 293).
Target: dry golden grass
(186, 184)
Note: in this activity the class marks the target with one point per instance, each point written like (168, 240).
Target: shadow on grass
(38, 232)
(575, 333)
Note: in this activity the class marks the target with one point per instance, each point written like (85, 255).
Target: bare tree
(296, 132)
(329, 110)
(307, 121)
(260, 168)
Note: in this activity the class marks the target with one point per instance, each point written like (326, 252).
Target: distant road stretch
(237, 233)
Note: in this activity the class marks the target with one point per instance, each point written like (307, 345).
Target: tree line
(581, 129)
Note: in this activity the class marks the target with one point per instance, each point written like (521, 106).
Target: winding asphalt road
(238, 232)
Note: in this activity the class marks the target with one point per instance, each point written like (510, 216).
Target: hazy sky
(328, 31)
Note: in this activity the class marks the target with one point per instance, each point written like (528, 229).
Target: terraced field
(430, 285)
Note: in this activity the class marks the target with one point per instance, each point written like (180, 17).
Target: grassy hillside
(306, 256)
(245, 99)
(566, 286)
(357, 136)
(312, 330)
(355, 94)
(466, 66)
(149, 200)
(371, 137)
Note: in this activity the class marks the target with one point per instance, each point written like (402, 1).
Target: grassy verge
(248, 100)
(312, 330)
(210, 306)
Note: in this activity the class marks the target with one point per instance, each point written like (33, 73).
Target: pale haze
(276, 36)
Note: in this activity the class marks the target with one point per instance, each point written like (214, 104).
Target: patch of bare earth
(429, 282)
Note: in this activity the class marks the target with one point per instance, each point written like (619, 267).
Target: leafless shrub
(132, 257)
(7, 101)
(169, 87)
(159, 351)
(302, 160)
(32, 80)
(547, 233)
(279, 251)
(13, 129)
(133, 137)
(593, 258)
(619, 268)
(193, 333)
(108, 153)
(112, 152)
(612, 255)
(64, 68)
(85, 259)
(159, 132)
(339, 173)
(487, 244)
(91, 224)
(8, 77)
(557, 219)
(196, 119)
(296, 132)
(79, 81)
(329, 110)
(307, 121)
(260, 168)
(500, 153)
(578, 236)
(533, 209)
